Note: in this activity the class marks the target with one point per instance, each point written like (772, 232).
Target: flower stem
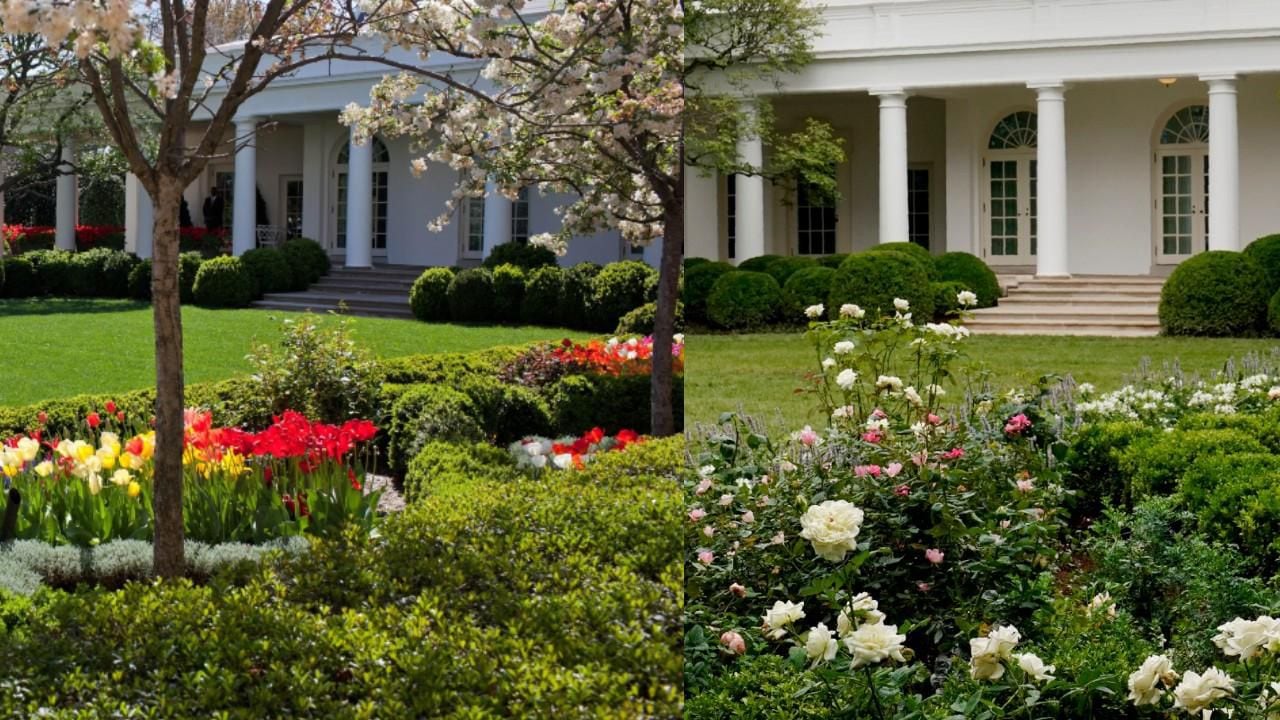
(875, 696)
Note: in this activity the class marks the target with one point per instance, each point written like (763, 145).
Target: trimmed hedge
(522, 255)
(693, 262)
(1155, 464)
(506, 412)
(429, 296)
(760, 263)
(1217, 293)
(915, 251)
(873, 280)
(307, 261)
(810, 286)
(1273, 313)
(443, 463)
(471, 296)
(508, 293)
(54, 272)
(618, 289)
(743, 300)
(973, 273)
(20, 279)
(575, 295)
(425, 413)
(698, 281)
(1266, 252)
(223, 282)
(832, 261)
(269, 271)
(1094, 463)
(542, 290)
(580, 402)
(784, 268)
(945, 301)
(640, 321)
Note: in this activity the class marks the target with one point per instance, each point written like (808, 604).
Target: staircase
(1104, 305)
(380, 291)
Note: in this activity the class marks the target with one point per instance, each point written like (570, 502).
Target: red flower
(110, 407)
(355, 484)
(134, 446)
(42, 417)
(120, 416)
(93, 419)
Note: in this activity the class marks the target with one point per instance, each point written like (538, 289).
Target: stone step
(1059, 298)
(1062, 329)
(323, 307)
(362, 286)
(1069, 309)
(1137, 279)
(370, 298)
(1086, 287)
(1065, 317)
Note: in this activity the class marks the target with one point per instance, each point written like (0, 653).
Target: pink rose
(924, 587)
(748, 517)
(706, 557)
(902, 490)
(708, 530)
(893, 469)
(738, 590)
(807, 436)
(726, 499)
(879, 414)
(865, 470)
(697, 514)
(934, 555)
(734, 642)
(933, 419)
(872, 436)
(953, 454)
(1017, 424)
(703, 487)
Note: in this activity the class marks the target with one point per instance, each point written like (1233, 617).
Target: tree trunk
(662, 410)
(169, 551)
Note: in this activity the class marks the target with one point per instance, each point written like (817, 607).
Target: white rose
(1144, 682)
(706, 471)
(986, 653)
(861, 606)
(846, 379)
(828, 363)
(873, 643)
(1034, 667)
(844, 347)
(779, 616)
(1197, 692)
(901, 305)
(832, 528)
(889, 382)
(966, 298)
(814, 312)
(821, 645)
(850, 310)
(1246, 638)
(912, 396)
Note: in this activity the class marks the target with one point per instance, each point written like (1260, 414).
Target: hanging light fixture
(1167, 81)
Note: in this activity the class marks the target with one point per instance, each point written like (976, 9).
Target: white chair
(270, 236)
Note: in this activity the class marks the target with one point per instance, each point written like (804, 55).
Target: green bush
(945, 302)
(1094, 467)
(54, 272)
(508, 293)
(542, 290)
(189, 264)
(1266, 252)
(913, 250)
(1237, 500)
(307, 261)
(742, 300)
(698, 281)
(972, 273)
(616, 290)
(640, 320)
(20, 278)
(784, 268)
(760, 263)
(1155, 463)
(693, 262)
(223, 282)
(101, 272)
(140, 280)
(522, 255)
(832, 261)
(873, 280)
(1264, 428)
(425, 413)
(319, 371)
(506, 412)
(269, 271)
(441, 463)
(575, 296)
(810, 286)
(1216, 293)
(581, 402)
(429, 297)
(471, 296)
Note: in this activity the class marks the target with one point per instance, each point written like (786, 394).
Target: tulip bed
(939, 548)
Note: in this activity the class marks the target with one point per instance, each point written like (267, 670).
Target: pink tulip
(706, 557)
(934, 555)
(893, 469)
(903, 490)
(697, 514)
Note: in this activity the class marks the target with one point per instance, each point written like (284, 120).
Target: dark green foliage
(832, 261)
(20, 279)
(742, 300)
(1093, 463)
(618, 289)
(205, 244)
(429, 297)
(640, 320)
(269, 270)
(542, 290)
(809, 286)
(307, 261)
(974, 274)
(1266, 252)
(54, 271)
(759, 264)
(945, 304)
(425, 413)
(1154, 463)
(508, 293)
(102, 272)
(188, 267)
(319, 371)
(140, 280)
(698, 281)
(1265, 428)
(693, 262)
(912, 250)
(581, 402)
(450, 463)
(1236, 498)
(447, 368)
(223, 282)
(575, 296)
(784, 268)
(1273, 314)
(1216, 293)
(471, 296)
(522, 255)
(873, 280)
(505, 412)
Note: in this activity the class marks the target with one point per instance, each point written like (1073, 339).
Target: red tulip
(110, 407)
(94, 420)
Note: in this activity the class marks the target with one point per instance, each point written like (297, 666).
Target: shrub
(1266, 252)
(269, 271)
(758, 264)
(742, 300)
(307, 261)
(1094, 466)
(1264, 428)
(429, 297)
(784, 268)
(973, 273)
(20, 279)
(698, 281)
(809, 286)
(508, 293)
(1237, 500)
(873, 280)
(832, 261)
(223, 282)
(189, 264)
(1154, 464)
(575, 296)
(425, 413)
(101, 272)
(693, 262)
(640, 320)
(913, 250)
(54, 271)
(470, 296)
(1216, 293)
(441, 463)
(319, 371)
(522, 255)
(616, 290)
(945, 304)
(612, 402)
(542, 290)
(506, 412)
(140, 280)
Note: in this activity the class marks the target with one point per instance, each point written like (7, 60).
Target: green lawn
(55, 348)
(761, 373)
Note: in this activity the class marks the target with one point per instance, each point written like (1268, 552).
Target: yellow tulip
(28, 448)
(44, 469)
(83, 451)
(107, 456)
(121, 477)
(134, 489)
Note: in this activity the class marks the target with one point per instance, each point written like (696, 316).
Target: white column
(702, 220)
(1051, 180)
(497, 218)
(244, 208)
(894, 225)
(138, 217)
(749, 191)
(1224, 163)
(359, 203)
(64, 236)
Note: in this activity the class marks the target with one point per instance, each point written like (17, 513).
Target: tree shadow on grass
(67, 306)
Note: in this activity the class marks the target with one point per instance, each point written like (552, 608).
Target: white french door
(1182, 205)
(1009, 209)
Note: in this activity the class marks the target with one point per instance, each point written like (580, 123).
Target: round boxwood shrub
(268, 269)
(742, 300)
(425, 413)
(945, 303)
(140, 281)
(54, 271)
(223, 282)
(640, 320)
(698, 282)
(832, 261)
(117, 265)
(542, 290)
(521, 254)
(693, 262)
(874, 279)
(307, 261)
(471, 296)
(810, 286)
(760, 263)
(1266, 252)
(618, 289)
(20, 278)
(508, 293)
(429, 297)
(506, 411)
(1216, 293)
(974, 274)
(788, 266)
(1273, 313)
(573, 310)
(915, 251)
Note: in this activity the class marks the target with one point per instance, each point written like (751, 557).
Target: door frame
(283, 189)
(1025, 214)
(1199, 153)
(337, 169)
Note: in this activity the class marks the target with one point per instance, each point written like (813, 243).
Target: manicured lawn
(761, 373)
(55, 348)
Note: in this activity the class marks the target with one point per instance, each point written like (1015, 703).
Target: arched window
(380, 153)
(381, 174)
(1189, 125)
(1015, 131)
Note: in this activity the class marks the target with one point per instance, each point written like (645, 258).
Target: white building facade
(1053, 137)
